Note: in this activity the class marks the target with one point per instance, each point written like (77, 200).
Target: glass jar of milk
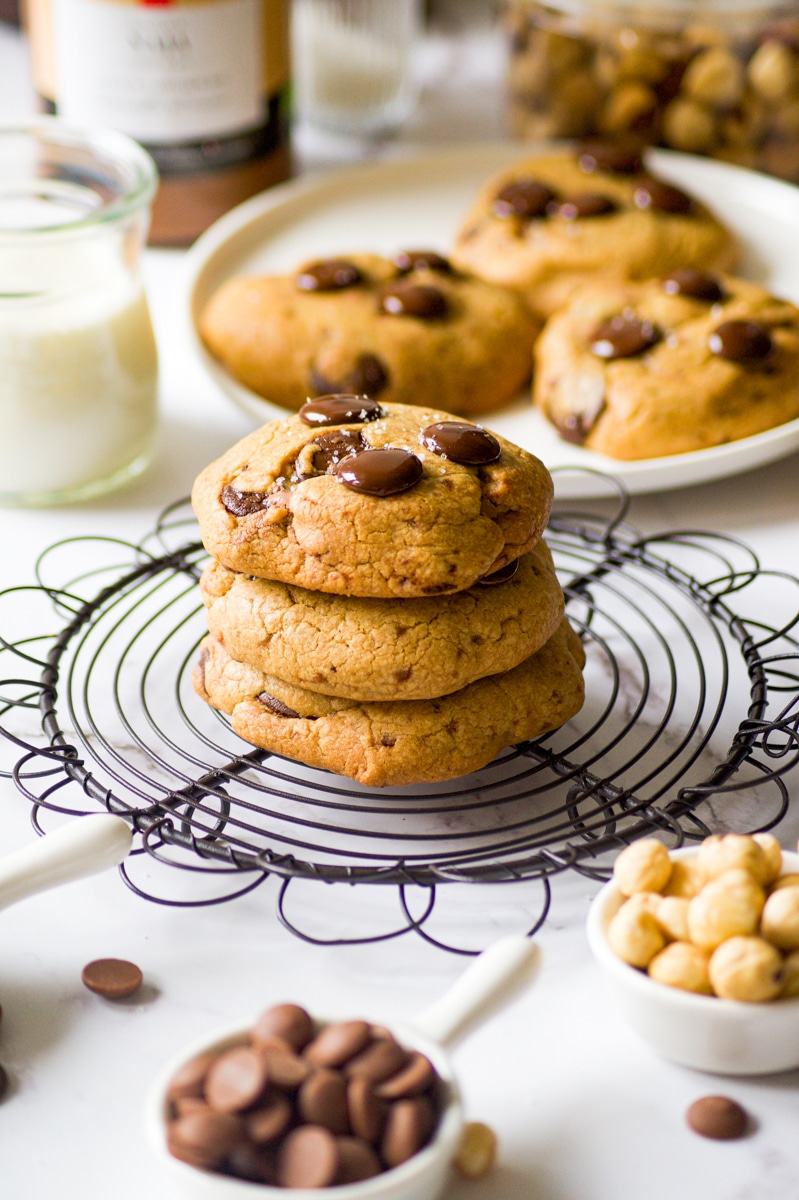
(78, 362)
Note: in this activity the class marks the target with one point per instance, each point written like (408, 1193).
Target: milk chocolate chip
(338, 1043)
(381, 472)
(619, 157)
(623, 337)
(463, 443)
(204, 1138)
(329, 275)
(308, 1158)
(236, 1080)
(690, 281)
(422, 260)
(113, 978)
(662, 197)
(340, 409)
(421, 300)
(741, 341)
(322, 1100)
(717, 1117)
(357, 1161)
(286, 1021)
(588, 204)
(524, 198)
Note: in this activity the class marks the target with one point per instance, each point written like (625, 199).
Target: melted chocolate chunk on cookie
(422, 260)
(332, 448)
(587, 204)
(342, 408)
(242, 504)
(698, 285)
(524, 198)
(624, 337)
(463, 443)
(501, 576)
(369, 377)
(276, 706)
(328, 275)
(619, 157)
(745, 342)
(381, 472)
(421, 300)
(574, 427)
(654, 195)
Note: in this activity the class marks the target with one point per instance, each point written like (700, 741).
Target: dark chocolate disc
(699, 285)
(623, 337)
(502, 575)
(619, 157)
(587, 204)
(423, 260)
(525, 198)
(328, 275)
(382, 472)
(341, 409)
(662, 197)
(741, 341)
(462, 442)
(403, 299)
(241, 504)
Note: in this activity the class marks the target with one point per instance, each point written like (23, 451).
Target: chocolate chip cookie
(409, 331)
(691, 360)
(364, 649)
(361, 498)
(402, 742)
(546, 224)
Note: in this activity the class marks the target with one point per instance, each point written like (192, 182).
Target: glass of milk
(354, 63)
(78, 362)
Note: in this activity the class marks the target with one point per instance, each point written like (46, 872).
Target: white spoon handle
(491, 980)
(81, 848)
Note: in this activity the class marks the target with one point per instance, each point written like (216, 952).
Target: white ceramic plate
(389, 206)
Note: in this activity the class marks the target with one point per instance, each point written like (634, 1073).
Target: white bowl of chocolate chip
(700, 949)
(293, 1102)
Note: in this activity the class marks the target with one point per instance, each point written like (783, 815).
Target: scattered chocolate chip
(339, 409)
(662, 197)
(463, 443)
(381, 472)
(113, 978)
(699, 285)
(338, 1043)
(276, 706)
(524, 198)
(241, 504)
(741, 341)
(620, 157)
(409, 1125)
(422, 260)
(422, 300)
(204, 1138)
(329, 275)
(623, 337)
(588, 204)
(357, 1161)
(286, 1021)
(236, 1080)
(501, 576)
(717, 1117)
(308, 1158)
(332, 448)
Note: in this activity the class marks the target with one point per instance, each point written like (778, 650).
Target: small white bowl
(724, 1037)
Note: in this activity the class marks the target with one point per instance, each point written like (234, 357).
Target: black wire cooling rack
(99, 712)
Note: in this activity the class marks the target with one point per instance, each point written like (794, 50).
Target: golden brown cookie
(365, 649)
(546, 224)
(402, 742)
(640, 370)
(419, 333)
(362, 499)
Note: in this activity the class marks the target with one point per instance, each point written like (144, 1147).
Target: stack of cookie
(380, 602)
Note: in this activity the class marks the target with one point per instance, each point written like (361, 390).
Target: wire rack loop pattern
(97, 710)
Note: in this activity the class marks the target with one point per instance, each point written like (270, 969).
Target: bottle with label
(202, 84)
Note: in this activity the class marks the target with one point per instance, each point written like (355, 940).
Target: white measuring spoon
(488, 983)
(82, 848)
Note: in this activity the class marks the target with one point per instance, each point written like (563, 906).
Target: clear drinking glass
(353, 63)
(78, 361)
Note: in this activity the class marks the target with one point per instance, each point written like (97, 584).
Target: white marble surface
(582, 1109)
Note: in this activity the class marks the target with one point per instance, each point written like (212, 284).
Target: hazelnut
(715, 77)
(682, 965)
(773, 852)
(642, 63)
(671, 915)
(685, 880)
(746, 968)
(790, 975)
(790, 880)
(780, 920)
(734, 851)
(727, 906)
(635, 936)
(773, 70)
(476, 1150)
(643, 866)
(626, 105)
(688, 126)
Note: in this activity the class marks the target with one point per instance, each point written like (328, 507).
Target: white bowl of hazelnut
(700, 948)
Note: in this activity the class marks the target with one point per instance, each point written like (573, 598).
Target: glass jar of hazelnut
(717, 78)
